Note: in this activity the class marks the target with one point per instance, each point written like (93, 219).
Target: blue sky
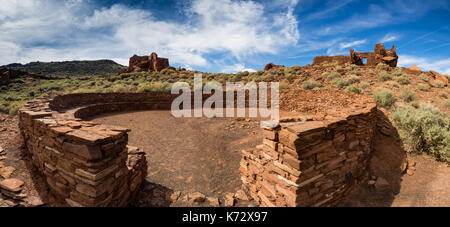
(224, 35)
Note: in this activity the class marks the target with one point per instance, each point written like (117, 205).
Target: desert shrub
(404, 79)
(393, 84)
(384, 97)
(325, 74)
(382, 66)
(340, 69)
(353, 88)
(344, 82)
(443, 95)
(364, 85)
(385, 76)
(371, 72)
(423, 87)
(398, 72)
(333, 75)
(283, 85)
(351, 67)
(437, 84)
(356, 72)
(293, 70)
(290, 77)
(425, 129)
(311, 84)
(447, 103)
(14, 107)
(424, 77)
(154, 87)
(407, 95)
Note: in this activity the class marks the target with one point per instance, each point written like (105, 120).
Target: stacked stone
(85, 164)
(313, 163)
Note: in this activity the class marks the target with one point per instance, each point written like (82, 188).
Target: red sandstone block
(270, 134)
(291, 161)
(84, 151)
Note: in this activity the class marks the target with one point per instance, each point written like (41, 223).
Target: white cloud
(238, 67)
(441, 66)
(389, 38)
(352, 44)
(64, 30)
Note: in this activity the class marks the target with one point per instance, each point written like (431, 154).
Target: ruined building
(380, 55)
(147, 63)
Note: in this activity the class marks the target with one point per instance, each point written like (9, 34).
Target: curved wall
(300, 163)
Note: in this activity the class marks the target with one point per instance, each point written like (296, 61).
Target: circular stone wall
(313, 157)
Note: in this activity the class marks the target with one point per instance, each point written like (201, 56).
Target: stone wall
(84, 163)
(380, 55)
(304, 161)
(340, 59)
(310, 163)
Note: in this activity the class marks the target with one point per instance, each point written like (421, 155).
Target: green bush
(398, 72)
(283, 85)
(382, 66)
(384, 76)
(425, 129)
(340, 69)
(443, 95)
(424, 77)
(290, 77)
(344, 82)
(384, 97)
(423, 87)
(311, 84)
(353, 88)
(403, 79)
(364, 85)
(332, 75)
(437, 84)
(407, 95)
(447, 103)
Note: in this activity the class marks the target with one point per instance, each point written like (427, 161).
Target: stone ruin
(150, 63)
(7, 74)
(302, 161)
(380, 55)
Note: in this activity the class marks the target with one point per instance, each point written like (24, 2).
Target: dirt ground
(189, 154)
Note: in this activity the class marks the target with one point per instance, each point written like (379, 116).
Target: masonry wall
(340, 59)
(84, 163)
(300, 163)
(313, 163)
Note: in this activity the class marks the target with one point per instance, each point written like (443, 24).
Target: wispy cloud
(325, 13)
(382, 14)
(352, 44)
(389, 38)
(65, 30)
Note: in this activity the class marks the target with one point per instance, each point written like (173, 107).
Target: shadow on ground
(385, 169)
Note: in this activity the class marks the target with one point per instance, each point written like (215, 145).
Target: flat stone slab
(7, 171)
(12, 185)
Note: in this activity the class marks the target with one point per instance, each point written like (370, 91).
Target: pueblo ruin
(380, 55)
(151, 63)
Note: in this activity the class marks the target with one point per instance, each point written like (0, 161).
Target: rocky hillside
(70, 68)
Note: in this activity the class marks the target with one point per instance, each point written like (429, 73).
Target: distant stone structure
(380, 55)
(150, 63)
